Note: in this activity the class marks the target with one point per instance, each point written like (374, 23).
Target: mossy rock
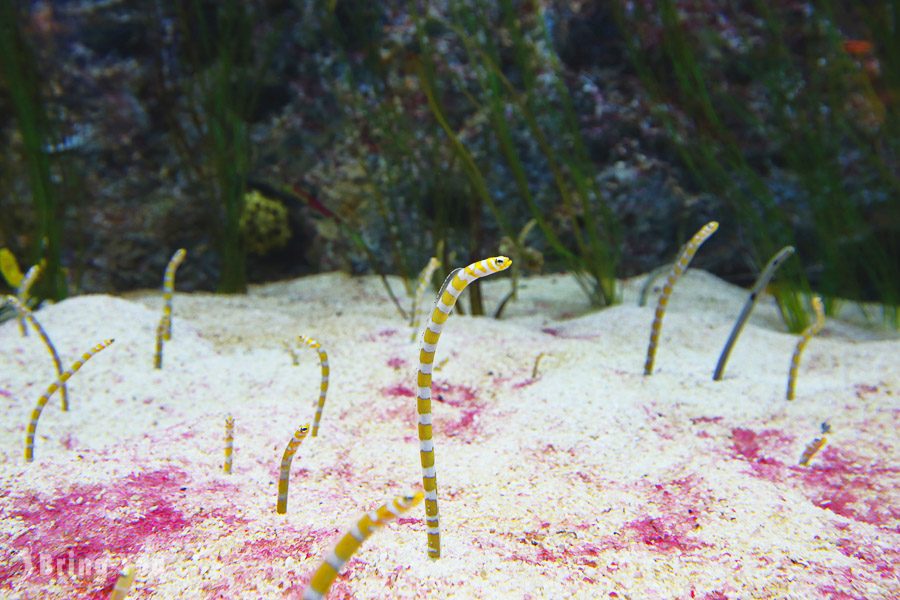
(264, 223)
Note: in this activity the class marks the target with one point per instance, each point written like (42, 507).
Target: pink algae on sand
(288, 543)
(836, 480)
(663, 534)
(381, 335)
(464, 402)
(883, 558)
(396, 362)
(679, 505)
(64, 532)
(676, 506)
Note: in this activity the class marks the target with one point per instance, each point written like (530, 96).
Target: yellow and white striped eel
(345, 548)
(169, 288)
(452, 288)
(284, 478)
(424, 280)
(323, 387)
(123, 584)
(42, 401)
(811, 450)
(24, 289)
(801, 344)
(23, 310)
(229, 442)
(160, 336)
(687, 254)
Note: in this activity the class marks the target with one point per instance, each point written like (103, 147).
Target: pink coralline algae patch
(703, 433)
(93, 521)
(466, 414)
(668, 524)
(342, 471)
(848, 486)
(836, 480)
(381, 335)
(298, 545)
(883, 559)
(714, 596)
(663, 534)
(747, 445)
(396, 362)
(69, 441)
(545, 546)
(268, 556)
(704, 419)
(678, 506)
(399, 391)
(403, 409)
(454, 395)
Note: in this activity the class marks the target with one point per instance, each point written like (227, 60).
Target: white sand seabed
(589, 481)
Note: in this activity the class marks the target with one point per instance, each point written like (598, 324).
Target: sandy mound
(588, 480)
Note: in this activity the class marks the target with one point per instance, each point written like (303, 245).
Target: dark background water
(275, 138)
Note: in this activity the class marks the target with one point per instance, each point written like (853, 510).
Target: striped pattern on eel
(25, 312)
(42, 401)
(284, 478)
(811, 450)
(327, 572)
(801, 344)
(123, 584)
(454, 285)
(424, 280)
(323, 387)
(229, 443)
(169, 289)
(680, 266)
(160, 336)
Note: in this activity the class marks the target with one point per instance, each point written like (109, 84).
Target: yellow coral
(9, 267)
(264, 223)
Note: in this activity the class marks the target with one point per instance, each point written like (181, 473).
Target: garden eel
(423, 282)
(811, 450)
(453, 286)
(677, 269)
(323, 386)
(327, 572)
(42, 401)
(801, 344)
(169, 289)
(229, 443)
(25, 312)
(284, 478)
(761, 282)
(123, 584)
